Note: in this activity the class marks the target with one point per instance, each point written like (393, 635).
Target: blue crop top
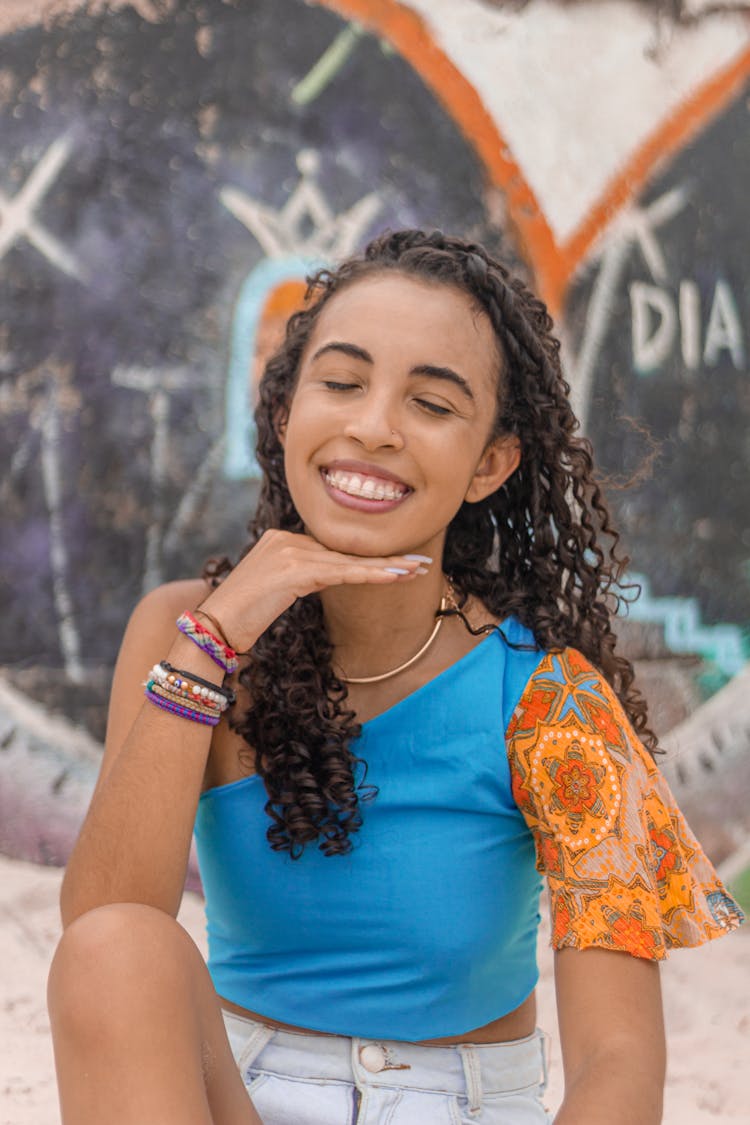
(511, 759)
(428, 927)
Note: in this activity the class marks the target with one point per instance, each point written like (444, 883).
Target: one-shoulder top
(510, 764)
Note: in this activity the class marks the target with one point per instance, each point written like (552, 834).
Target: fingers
(297, 548)
(334, 569)
(400, 565)
(374, 569)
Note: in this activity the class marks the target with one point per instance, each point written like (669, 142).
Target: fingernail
(418, 558)
(395, 570)
(421, 570)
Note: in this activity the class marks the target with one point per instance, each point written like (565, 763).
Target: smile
(365, 487)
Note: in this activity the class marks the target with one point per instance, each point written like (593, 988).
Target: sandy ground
(706, 992)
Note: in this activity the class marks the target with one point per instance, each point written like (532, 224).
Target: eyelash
(334, 386)
(431, 407)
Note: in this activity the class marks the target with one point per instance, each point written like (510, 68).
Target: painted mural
(166, 181)
(170, 172)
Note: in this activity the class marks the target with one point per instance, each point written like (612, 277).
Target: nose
(374, 423)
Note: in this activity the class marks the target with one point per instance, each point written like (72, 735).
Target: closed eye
(433, 407)
(332, 385)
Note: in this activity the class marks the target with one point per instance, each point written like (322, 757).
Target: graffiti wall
(170, 171)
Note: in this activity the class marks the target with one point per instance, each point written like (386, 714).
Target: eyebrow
(429, 369)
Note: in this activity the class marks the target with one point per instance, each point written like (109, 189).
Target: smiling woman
(418, 712)
(394, 410)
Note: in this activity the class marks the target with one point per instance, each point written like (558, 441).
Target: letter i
(690, 324)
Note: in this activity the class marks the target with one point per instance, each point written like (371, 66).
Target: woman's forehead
(431, 320)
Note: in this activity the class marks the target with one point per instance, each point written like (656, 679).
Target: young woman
(428, 713)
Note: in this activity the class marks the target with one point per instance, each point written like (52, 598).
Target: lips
(362, 487)
(369, 488)
(367, 482)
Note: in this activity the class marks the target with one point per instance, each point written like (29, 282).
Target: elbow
(77, 899)
(71, 906)
(78, 896)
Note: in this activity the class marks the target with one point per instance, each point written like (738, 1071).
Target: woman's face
(388, 430)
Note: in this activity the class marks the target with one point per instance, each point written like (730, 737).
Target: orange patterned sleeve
(623, 868)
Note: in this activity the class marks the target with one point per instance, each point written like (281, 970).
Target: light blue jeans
(296, 1079)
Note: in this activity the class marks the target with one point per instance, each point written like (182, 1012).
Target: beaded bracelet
(192, 686)
(154, 688)
(187, 695)
(183, 697)
(226, 692)
(217, 649)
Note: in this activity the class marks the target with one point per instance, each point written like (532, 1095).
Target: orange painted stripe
(407, 32)
(685, 123)
(552, 266)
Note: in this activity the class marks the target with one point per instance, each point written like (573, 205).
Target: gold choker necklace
(446, 602)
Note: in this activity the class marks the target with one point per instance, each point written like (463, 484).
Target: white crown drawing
(305, 226)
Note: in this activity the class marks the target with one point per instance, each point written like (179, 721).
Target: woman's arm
(135, 841)
(612, 1036)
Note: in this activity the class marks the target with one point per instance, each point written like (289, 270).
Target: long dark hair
(532, 549)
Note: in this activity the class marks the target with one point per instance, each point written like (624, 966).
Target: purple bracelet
(183, 712)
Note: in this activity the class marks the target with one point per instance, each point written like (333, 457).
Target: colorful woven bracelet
(183, 712)
(219, 652)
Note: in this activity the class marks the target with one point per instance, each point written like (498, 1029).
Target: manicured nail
(395, 570)
(422, 570)
(418, 558)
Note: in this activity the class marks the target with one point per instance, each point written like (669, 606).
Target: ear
(280, 420)
(500, 459)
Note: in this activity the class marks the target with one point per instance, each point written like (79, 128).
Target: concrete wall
(170, 170)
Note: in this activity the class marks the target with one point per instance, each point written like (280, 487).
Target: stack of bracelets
(185, 694)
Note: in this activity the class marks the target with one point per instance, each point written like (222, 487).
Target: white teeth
(367, 487)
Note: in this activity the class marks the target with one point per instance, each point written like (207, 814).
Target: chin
(348, 543)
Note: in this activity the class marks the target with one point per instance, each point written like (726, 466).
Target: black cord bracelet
(226, 692)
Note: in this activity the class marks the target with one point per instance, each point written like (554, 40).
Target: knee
(111, 956)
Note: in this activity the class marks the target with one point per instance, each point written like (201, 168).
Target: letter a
(724, 330)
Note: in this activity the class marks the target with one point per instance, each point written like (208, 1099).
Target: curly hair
(532, 549)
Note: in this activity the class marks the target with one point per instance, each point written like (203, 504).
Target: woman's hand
(283, 566)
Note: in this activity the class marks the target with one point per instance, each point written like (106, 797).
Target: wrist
(220, 621)
(217, 627)
(183, 653)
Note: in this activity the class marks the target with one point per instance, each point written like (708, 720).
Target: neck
(375, 628)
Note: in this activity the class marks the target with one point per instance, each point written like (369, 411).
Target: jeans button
(372, 1058)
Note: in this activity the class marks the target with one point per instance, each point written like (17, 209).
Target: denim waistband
(473, 1070)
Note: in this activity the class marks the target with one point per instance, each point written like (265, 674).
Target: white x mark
(17, 214)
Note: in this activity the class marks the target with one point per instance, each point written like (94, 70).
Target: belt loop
(472, 1076)
(258, 1038)
(545, 1043)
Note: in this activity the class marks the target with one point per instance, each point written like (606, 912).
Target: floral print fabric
(624, 870)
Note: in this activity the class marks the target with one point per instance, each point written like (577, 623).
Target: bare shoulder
(184, 593)
(149, 635)
(156, 612)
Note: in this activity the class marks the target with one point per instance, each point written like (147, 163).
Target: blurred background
(169, 171)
